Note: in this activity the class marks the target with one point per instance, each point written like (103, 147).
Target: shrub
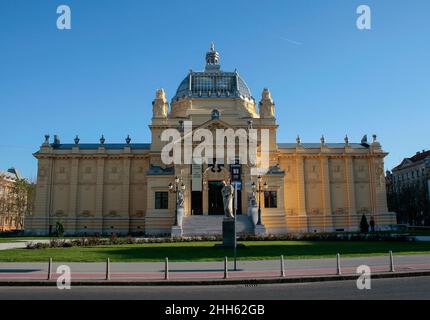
(115, 240)
(37, 245)
(59, 229)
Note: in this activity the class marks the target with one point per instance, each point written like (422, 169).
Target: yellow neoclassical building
(123, 188)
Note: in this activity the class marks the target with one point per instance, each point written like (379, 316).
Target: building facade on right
(408, 189)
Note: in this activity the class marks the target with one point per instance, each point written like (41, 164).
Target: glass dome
(212, 82)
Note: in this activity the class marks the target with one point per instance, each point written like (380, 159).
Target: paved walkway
(212, 270)
(19, 244)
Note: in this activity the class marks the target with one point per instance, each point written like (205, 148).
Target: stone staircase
(212, 225)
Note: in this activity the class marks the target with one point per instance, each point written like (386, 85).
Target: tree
(364, 226)
(411, 203)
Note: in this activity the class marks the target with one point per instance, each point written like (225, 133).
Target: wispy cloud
(297, 43)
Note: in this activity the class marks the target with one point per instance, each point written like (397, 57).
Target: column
(301, 193)
(125, 199)
(38, 223)
(350, 190)
(73, 194)
(326, 194)
(372, 185)
(98, 227)
(381, 215)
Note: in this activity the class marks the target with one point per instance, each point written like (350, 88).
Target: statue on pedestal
(227, 196)
(180, 199)
(253, 207)
(252, 200)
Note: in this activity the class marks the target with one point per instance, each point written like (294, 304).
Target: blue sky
(325, 75)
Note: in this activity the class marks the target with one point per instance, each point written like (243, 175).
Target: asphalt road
(400, 288)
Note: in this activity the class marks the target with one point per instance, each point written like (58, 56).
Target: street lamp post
(235, 229)
(175, 188)
(257, 188)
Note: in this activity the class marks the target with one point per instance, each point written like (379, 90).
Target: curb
(254, 281)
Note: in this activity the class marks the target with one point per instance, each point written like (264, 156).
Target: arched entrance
(213, 177)
(215, 201)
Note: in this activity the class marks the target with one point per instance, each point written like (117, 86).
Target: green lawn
(205, 251)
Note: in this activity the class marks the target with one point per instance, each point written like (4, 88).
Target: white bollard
(166, 269)
(391, 262)
(107, 269)
(225, 268)
(49, 268)
(282, 266)
(338, 269)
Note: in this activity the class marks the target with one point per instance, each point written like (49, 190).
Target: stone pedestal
(176, 231)
(259, 230)
(253, 213)
(228, 233)
(180, 216)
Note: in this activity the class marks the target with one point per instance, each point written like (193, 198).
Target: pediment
(211, 125)
(214, 124)
(404, 163)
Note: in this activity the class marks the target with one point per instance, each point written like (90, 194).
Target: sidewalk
(140, 271)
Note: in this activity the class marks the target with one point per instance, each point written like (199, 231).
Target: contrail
(291, 41)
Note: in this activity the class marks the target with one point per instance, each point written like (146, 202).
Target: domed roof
(212, 82)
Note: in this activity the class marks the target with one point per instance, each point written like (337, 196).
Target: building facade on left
(10, 217)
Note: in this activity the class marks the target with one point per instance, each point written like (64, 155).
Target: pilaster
(350, 190)
(326, 195)
(99, 195)
(301, 193)
(125, 200)
(74, 169)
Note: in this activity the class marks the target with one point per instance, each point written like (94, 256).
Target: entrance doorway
(196, 203)
(215, 202)
(239, 202)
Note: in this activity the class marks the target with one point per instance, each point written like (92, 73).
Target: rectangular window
(161, 200)
(270, 199)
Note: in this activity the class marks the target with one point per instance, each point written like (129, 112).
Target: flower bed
(114, 240)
